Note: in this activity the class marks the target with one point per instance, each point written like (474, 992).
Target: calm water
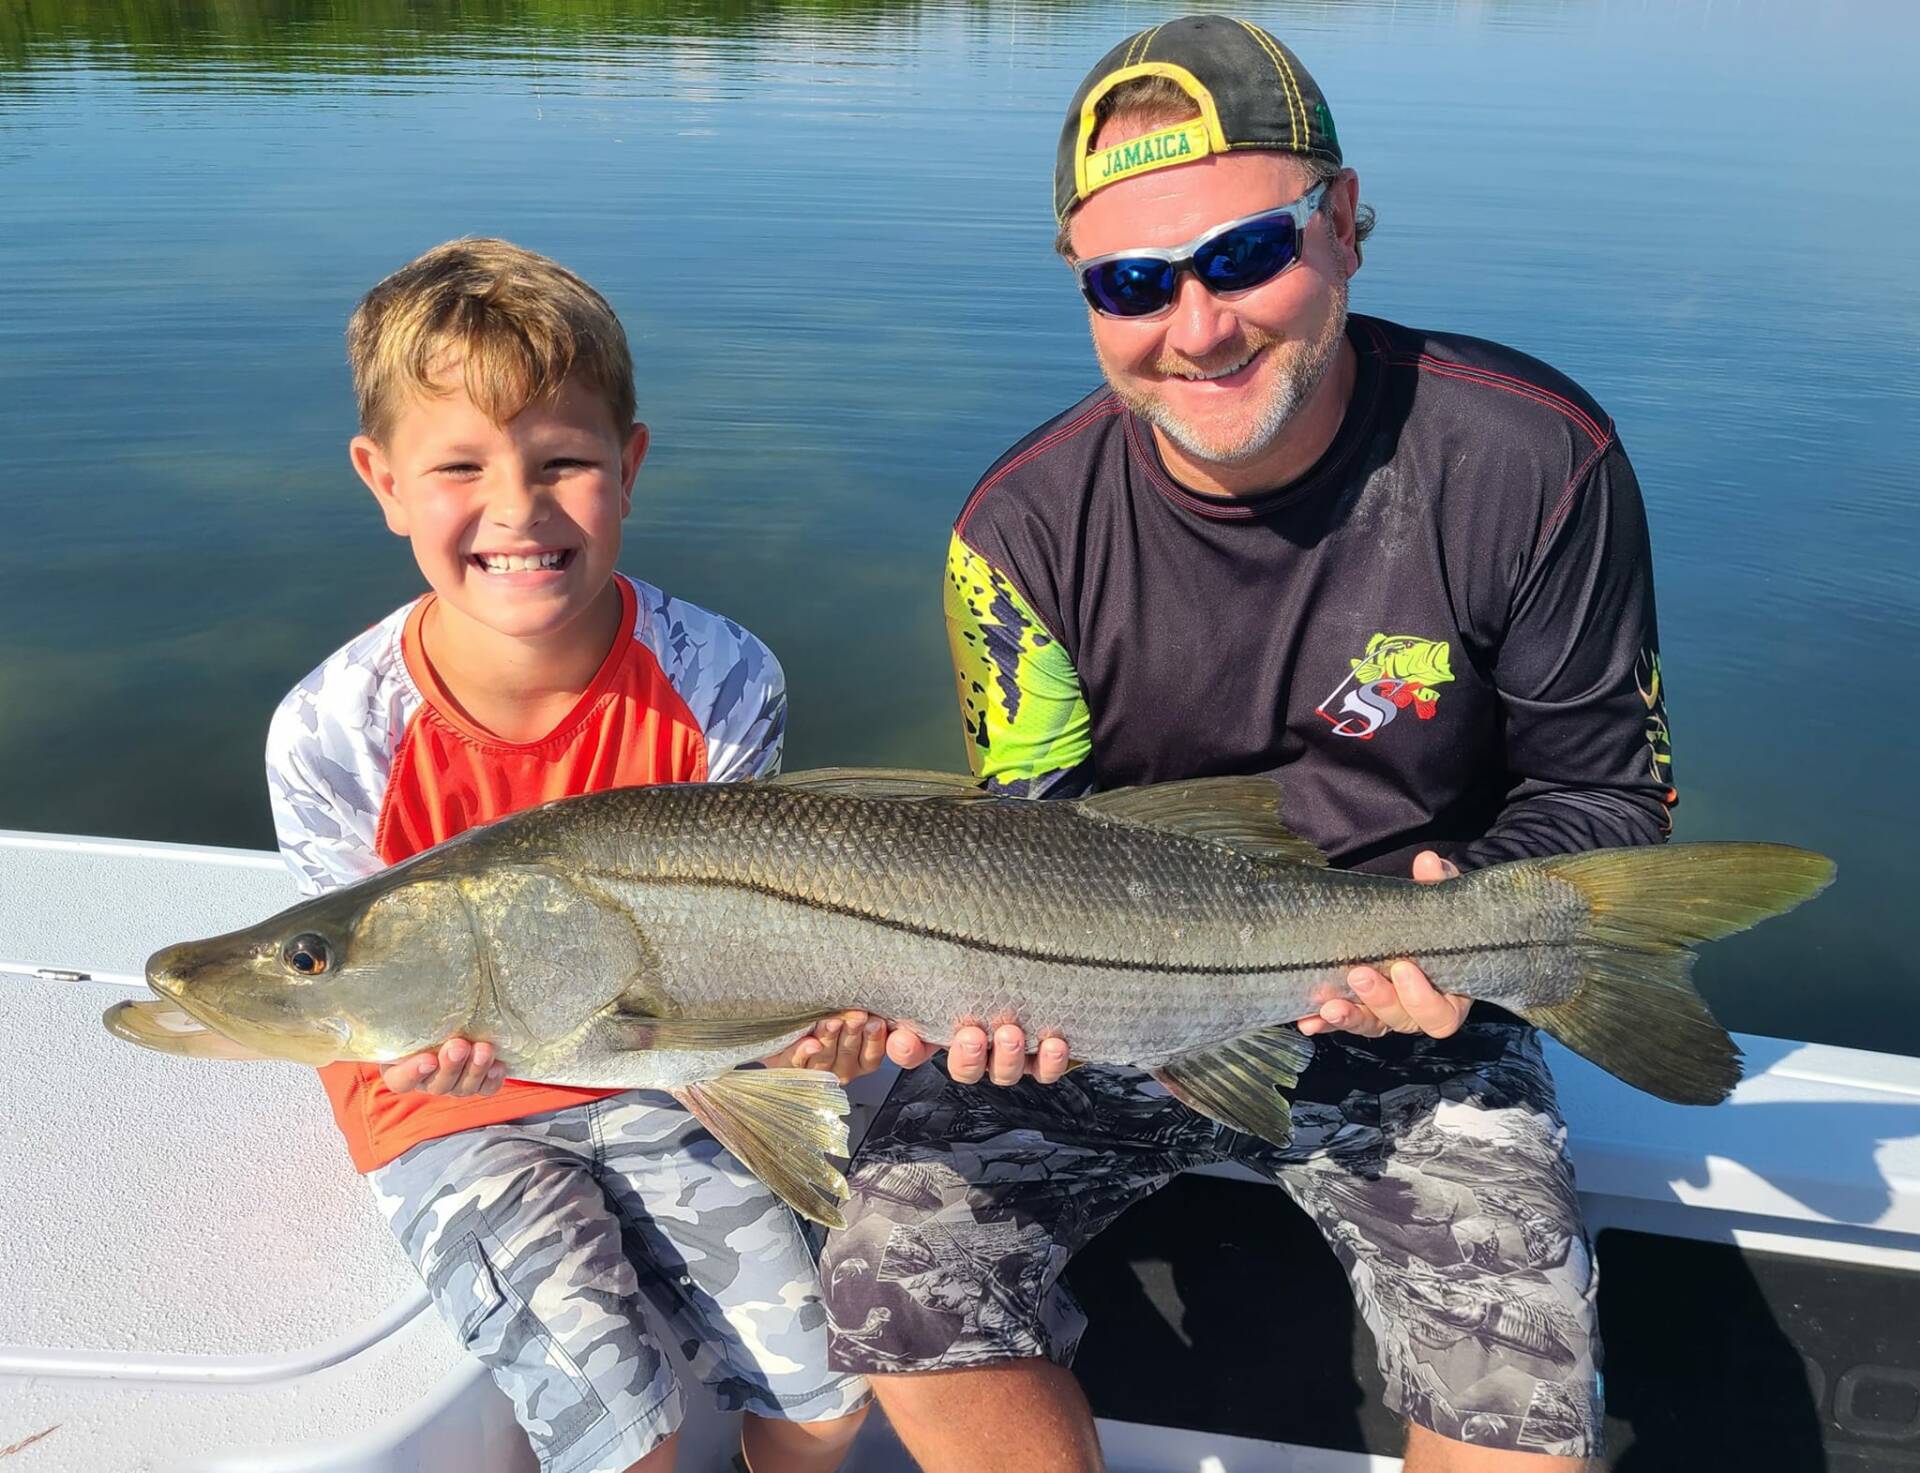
(826, 227)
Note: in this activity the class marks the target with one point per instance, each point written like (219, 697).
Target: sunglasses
(1234, 257)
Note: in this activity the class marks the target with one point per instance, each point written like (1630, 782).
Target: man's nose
(1200, 322)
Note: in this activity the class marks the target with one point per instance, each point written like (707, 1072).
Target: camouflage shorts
(547, 1241)
(1437, 1172)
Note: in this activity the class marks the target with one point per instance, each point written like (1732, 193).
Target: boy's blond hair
(517, 325)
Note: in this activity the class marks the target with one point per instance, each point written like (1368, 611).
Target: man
(1403, 572)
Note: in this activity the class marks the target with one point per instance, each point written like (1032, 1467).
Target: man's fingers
(1431, 1011)
(908, 1049)
(1429, 868)
(1009, 1054)
(1379, 1006)
(967, 1054)
(1053, 1060)
(873, 1044)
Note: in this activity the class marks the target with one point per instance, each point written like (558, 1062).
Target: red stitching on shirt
(1106, 408)
(1493, 379)
(1565, 503)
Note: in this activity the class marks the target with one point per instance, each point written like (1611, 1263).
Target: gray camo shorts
(1437, 1171)
(562, 1248)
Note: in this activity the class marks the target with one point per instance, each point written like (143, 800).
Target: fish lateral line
(1031, 954)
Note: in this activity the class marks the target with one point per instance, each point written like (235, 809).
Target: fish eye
(307, 954)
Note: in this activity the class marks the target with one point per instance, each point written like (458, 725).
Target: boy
(496, 406)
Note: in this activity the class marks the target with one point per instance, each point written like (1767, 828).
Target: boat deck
(198, 1280)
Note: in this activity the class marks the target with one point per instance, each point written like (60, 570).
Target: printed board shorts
(548, 1242)
(1436, 1169)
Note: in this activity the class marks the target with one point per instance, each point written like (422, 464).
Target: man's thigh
(1438, 1172)
(969, 1200)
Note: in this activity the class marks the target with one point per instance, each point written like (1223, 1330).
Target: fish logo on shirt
(1397, 671)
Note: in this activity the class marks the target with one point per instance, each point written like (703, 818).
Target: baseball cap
(1252, 92)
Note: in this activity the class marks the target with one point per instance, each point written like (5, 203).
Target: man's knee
(1008, 1417)
(1429, 1452)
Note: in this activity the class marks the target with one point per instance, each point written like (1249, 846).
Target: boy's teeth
(515, 563)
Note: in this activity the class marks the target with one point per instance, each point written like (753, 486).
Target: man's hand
(1405, 1001)
(967, 1054)
(459, 1068)
(850, 1044)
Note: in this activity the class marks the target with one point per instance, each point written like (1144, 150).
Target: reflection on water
(826, 228)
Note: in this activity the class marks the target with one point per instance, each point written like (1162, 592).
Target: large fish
(657, 937)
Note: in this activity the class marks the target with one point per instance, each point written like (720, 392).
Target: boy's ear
(631, 454)
(370, 464)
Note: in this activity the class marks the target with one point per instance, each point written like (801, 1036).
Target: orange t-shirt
(369, 763)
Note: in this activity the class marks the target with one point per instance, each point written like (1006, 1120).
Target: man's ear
(371, 465)
(631, 454)
(1342, 212)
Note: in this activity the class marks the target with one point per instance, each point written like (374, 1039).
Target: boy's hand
(459, 1068)
(850, 1044)
(1403, 1001)
(967, 1057)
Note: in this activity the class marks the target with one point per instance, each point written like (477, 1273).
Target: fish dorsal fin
(1242, 813)
(1238, 1083)
(880, 782)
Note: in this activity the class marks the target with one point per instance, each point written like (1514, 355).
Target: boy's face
(515, 526)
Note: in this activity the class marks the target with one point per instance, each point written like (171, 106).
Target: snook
(657, 937)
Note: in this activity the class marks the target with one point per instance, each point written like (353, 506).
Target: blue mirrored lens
(1245, 257)
(1129, 288)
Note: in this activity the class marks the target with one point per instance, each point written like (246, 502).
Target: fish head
(373, 971)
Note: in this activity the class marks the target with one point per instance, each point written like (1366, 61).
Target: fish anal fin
(1238, 1083)
(880, 782)
(1242, 813)
(782, 1124)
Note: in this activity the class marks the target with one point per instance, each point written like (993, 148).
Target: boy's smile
(516, 526)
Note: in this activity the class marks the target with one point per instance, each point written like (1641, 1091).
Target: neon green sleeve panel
(1019, 694)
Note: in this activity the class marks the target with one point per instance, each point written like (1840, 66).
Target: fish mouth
(163, 1026)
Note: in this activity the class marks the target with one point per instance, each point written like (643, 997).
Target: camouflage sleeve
(324, 816)
(1029, 731)
(730, 681)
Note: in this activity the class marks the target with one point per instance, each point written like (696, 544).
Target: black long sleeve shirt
(1441, 636)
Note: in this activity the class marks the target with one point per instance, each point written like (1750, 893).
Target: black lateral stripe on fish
(649, 938)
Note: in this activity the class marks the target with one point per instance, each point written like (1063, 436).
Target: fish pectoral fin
(635, 1030)
(881, 782)
(1242, 813)
(782, 1124)
(1239, 1083)
(165, 1029)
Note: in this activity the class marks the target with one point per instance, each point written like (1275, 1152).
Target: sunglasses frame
(1181, 257)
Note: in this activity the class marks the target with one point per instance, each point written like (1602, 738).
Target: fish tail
(1634, 1010)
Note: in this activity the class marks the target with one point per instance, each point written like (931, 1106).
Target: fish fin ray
(1238, 1083)
(782, 1124)
(1634, 1011)
(880, 782)
(1241, 813)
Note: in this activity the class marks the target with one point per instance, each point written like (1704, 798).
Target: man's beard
(1292, 387)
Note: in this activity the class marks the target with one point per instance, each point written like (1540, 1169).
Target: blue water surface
(827, 229)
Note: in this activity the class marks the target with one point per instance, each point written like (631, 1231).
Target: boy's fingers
(403, 1076)
(873, 1044)
(1379, 1011)
(1429, 868)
